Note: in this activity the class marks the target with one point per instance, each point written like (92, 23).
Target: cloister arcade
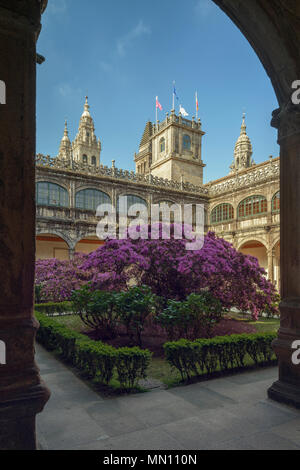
(273, 30)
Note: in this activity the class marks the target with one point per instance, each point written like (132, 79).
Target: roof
(147, 134)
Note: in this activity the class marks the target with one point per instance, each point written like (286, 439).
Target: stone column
(22, 394)
(270, 254)
(287, 388)
(71, 253)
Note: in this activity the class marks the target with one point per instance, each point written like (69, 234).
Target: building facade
(242, 207)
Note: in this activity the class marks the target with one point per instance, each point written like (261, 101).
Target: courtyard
(230, 413)
(227, 407)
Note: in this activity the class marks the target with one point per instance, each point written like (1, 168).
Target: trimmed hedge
(94, 357)
(51, 308)
(218, 354)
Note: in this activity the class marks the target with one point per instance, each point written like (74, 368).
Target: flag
(174, 91)
(197, 104)
(158, 105)
(183, 111)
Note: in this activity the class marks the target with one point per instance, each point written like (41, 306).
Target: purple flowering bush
(57, 279)
(171, 271)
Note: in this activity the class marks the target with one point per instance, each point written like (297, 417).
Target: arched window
(162, 145)
(84, 158)
(90, 199)
(50, 194)
(174, 215)
(222, 213)
(276, 203)
(251, 206)
(94, 161)
(186, 142)
(131, 200)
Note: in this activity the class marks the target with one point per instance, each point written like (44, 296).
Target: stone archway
(258, 250)
(49, 245)
(273, 30)
(88, 244)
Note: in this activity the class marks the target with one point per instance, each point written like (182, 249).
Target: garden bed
(154, 337)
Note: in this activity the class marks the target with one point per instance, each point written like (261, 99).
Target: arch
(186, 142)
(276, 242)
(131, 200)
(51, 194)
(88, 243)
(276, 203)
(52, 245)
(169, 202)
(162, 145)
(268, 28)
(94, 160)
(84, 159)
(252, 206)
(90, 199)
(222, 213)
(256, 248)
(55, 233)
(251, 239)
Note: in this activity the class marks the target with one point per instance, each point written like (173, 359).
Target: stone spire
(243, 150)
(65, 149)
(86, 146)
(86, 112)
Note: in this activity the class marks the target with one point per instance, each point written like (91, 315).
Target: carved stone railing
(158, 126)
(130, 176)
(259, 175)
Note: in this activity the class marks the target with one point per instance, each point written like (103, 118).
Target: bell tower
(172, 150)
(86, 147)
(65, 149)
(242, 151)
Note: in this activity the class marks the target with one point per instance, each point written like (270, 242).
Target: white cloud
(66, 90)
(204, 8)
(56, 7)
(126, 41)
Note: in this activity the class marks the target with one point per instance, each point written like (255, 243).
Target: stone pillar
(287, 388)
(22, 394)
(71, 253)
(270, 254)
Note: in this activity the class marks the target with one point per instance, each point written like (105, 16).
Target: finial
(243, 127)
(66, 134)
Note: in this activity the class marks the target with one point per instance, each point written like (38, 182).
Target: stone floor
(225, 413)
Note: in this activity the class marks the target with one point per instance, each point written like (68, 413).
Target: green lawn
(265, 325)
(159, 368)
(73, 322)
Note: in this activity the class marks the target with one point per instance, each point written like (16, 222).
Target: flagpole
(156, 109)
(173, 95)
(196, 105)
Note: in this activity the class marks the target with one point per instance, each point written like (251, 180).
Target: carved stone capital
(287, 120)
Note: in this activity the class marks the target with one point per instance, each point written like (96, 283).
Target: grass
(159, 368)
(266, 325)
(73, 322)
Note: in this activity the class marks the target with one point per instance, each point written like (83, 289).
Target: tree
(172, 272)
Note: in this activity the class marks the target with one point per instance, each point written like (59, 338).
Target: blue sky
(124, 53)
